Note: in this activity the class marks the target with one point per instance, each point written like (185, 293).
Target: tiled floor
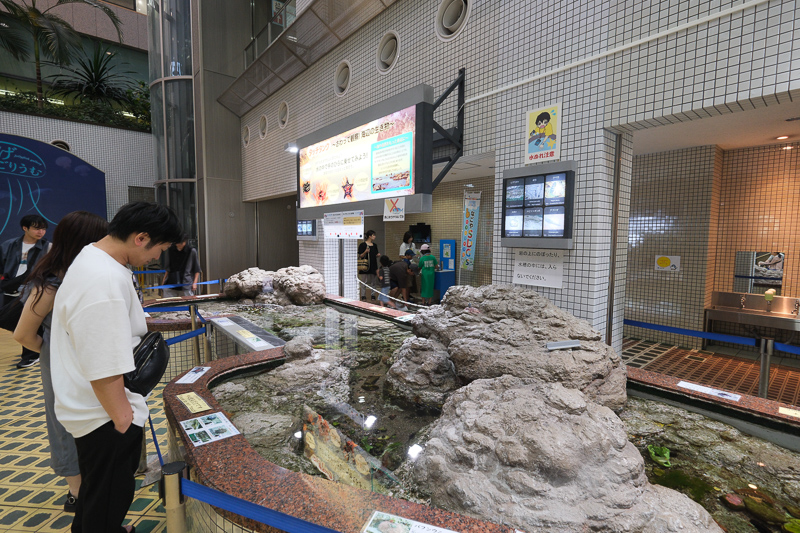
(31, 496)
(734, 373)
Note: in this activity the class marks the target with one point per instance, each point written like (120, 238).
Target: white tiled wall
(125, 156)
(722, 66)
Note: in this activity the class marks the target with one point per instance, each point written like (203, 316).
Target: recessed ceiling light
(782, 137)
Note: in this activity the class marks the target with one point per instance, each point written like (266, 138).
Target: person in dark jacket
(18, 256)
(182, 268)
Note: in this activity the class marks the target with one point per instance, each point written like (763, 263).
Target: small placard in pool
(223, 321)
(711, 392)
(388, 523)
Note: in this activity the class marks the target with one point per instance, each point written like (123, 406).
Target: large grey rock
(299, 347)
(544, 457)
(422, 374)
(496, 330)
(322, 377)
(302, 285)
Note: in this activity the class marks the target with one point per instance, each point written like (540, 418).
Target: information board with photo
(373, 161)
(209, 428)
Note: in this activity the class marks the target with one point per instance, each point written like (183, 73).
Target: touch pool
(348, 352)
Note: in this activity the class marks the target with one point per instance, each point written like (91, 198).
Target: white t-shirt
(23, 263)
(97, 322)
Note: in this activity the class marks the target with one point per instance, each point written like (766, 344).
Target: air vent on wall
(262, 126)
(452, 18)
(341, 78)
(246, 136)
(388, 51)
(283, 114)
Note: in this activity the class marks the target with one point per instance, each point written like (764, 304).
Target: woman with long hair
(76, 230)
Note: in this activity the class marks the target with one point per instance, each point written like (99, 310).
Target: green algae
(659, 454)
(692, 486)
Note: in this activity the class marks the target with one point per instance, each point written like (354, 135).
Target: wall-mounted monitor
(538, 206)
(421, 233)
(306, 230)
(384, 151)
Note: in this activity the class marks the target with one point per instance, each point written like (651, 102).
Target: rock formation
(302, 285)
(498, 330)
(545, 457)
(422, 375)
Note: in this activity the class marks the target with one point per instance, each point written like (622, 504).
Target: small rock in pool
(733, 501)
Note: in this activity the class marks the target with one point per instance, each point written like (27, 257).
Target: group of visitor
(81, 319)
(393, 280)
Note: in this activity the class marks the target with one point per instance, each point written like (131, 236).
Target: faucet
(743, 299)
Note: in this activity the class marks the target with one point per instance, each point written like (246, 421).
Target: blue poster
(469, 235)
(39, 178)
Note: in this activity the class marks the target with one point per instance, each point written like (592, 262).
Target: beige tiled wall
(445, 221)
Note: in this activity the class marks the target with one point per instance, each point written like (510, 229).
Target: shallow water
(709, 459)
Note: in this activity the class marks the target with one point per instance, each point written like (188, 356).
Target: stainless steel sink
(777, 315)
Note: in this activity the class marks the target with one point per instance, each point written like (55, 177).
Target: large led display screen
(372, 161)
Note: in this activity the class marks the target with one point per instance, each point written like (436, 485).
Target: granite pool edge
(314, 499)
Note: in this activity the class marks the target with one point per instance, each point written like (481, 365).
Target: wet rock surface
(498, 330)
(422, 375)
(302, 285)
(543, 456)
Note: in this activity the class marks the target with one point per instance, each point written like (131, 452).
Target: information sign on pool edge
(374, 160)
(540, 268)
(344, 225)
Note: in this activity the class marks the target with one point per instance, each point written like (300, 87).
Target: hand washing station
(756, 310)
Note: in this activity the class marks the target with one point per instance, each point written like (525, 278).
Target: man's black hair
(369, 233)
(543, 116)
(159, 222)
(33, 221)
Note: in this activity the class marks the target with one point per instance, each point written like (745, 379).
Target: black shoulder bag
(151, 358)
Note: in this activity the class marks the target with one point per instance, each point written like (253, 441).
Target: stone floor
(31, 496)
(734, 373)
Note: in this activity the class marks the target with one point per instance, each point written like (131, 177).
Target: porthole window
(283, 115)
(246, 136)
(64, 145)
(341, 78)
(451, 18)
(388, 52)
(262, 126)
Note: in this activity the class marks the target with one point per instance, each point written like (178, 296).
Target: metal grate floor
(726, 372)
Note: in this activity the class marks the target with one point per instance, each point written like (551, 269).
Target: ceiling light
(787, 147)
(782, 137)
(370, 421)
(291, 147)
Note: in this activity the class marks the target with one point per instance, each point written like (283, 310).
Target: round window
(262, 126)
(341, 78)
(246, 136)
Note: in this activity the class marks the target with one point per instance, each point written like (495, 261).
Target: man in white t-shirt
(18, 256)
(97, 322)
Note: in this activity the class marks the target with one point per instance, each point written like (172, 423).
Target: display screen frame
(421, 98)
(546, 207)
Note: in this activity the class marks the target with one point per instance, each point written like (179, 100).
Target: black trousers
(108, 460)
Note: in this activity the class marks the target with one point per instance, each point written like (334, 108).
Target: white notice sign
(539, 268)
(344, 225)
(394, 209)
(708, 390)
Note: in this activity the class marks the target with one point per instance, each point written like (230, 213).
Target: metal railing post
(767, 347)
(172, 497)
(195, 339)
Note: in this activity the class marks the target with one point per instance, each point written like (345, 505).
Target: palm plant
(94, 78)
(52, 36)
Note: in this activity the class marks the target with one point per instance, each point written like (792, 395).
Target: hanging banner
(472, 205)
(543, 134)
(394, 209)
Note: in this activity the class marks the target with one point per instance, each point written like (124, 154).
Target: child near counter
(427, 268)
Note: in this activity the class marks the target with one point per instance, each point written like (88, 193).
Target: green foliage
(694, 487)
(660, 455)
(94, 78)
(88, 111)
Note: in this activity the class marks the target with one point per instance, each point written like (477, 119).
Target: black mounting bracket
(453, 136)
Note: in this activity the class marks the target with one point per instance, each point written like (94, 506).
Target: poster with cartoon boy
(543, 134)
